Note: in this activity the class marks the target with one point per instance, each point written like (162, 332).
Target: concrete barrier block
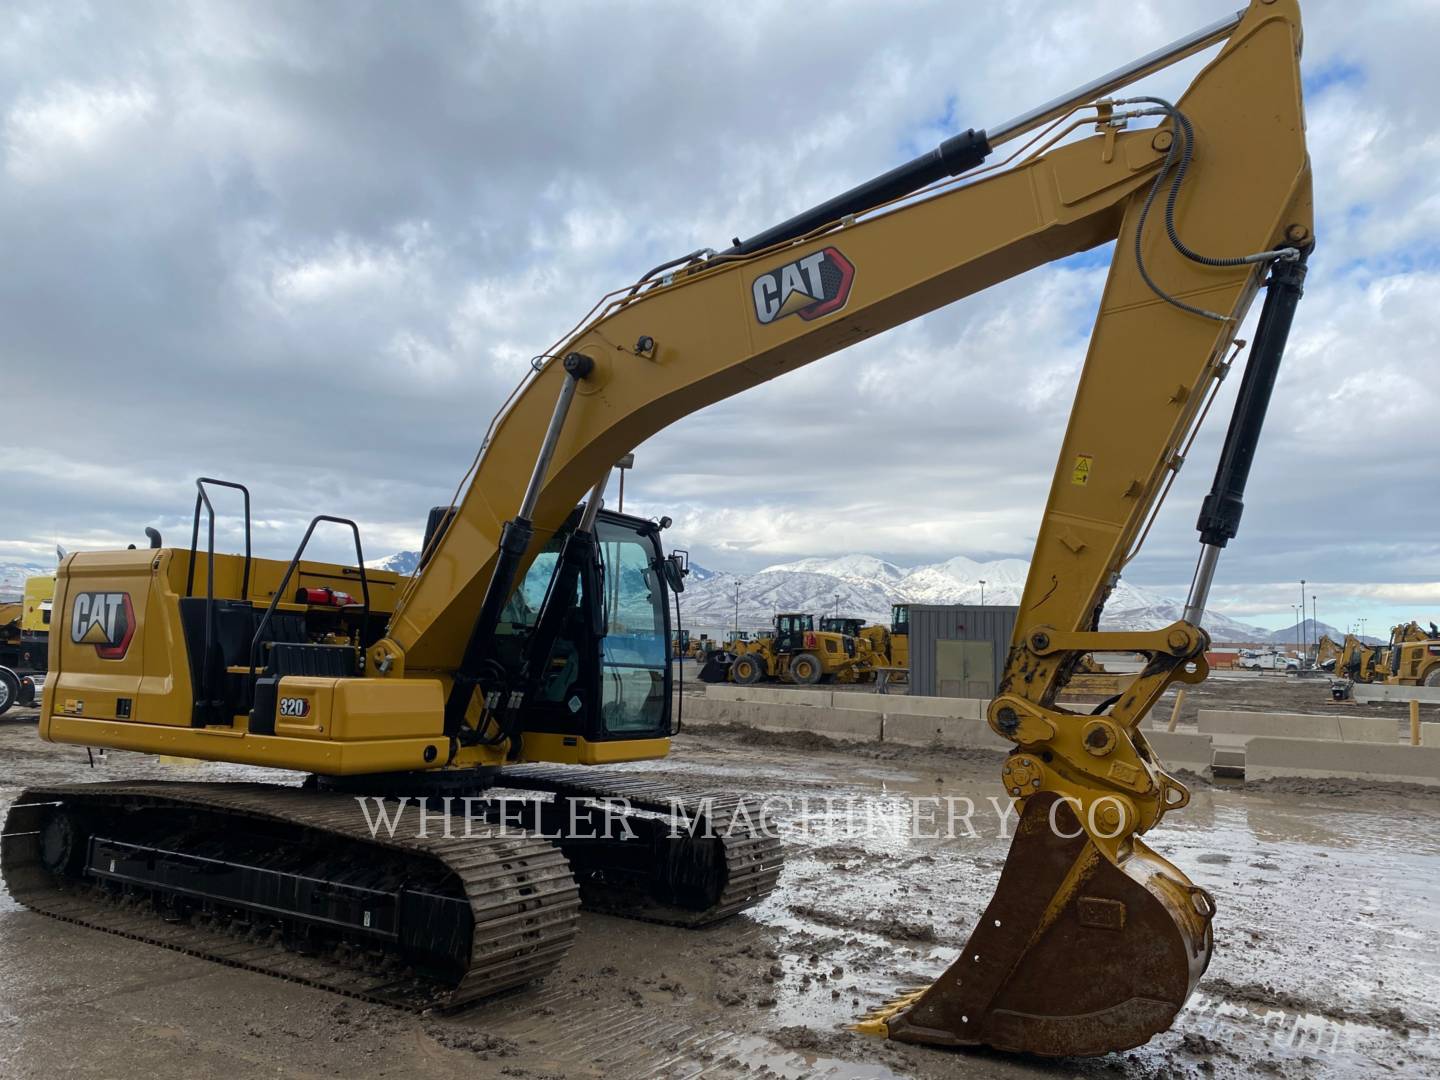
(961, 733)
(905, 705)
(723, 691)
(1429, 734)
(769, 695)
(848, 724)
(791, 695)
(1266, 758)
(1228, 762)
(1377, 729)
(1236, 726)
(832, 723)
(699, 710)
(1387, 692)
(1181, 748)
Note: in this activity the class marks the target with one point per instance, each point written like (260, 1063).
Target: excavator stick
(1093, 942)
(1073, 955)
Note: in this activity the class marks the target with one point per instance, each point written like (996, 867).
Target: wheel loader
(530, 652)
(795, 652)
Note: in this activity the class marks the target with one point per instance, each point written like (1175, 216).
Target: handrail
(289, 570)
(201, 497)
(203, 700)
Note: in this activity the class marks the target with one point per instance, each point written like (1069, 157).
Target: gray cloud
(313, 246)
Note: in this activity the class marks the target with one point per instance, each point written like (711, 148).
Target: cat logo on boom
(105, 620)
(810, 287)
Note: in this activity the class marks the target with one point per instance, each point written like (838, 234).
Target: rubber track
(524, 898)
(753, 858)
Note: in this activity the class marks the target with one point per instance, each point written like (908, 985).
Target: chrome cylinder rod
(594, 502)
(1121, 76)
(1200, 586)
(577, 367)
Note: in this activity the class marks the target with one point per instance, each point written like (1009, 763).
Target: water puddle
(1324, 1044)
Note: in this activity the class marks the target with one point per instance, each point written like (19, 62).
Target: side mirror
(675, 570)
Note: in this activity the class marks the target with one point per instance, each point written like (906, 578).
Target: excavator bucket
(714, 669)
(1073, 956)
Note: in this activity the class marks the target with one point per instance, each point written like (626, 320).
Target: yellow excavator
(534, 637)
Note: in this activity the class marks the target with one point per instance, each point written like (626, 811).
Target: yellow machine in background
(24, 641)
(37, 602)
(536, 628)
(795, 652)
(1327, 652)
(701, 647)
(1415, 663)
(1410, 658)
(889, 647)
(1356, 660)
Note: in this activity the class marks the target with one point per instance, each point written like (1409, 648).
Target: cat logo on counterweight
(105, 620)
(810, 287)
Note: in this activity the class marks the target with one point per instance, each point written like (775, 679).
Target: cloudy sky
(312, 245)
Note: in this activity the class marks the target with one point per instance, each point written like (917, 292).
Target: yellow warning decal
(1081, 473)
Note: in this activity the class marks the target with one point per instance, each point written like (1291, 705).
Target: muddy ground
(1326, 961)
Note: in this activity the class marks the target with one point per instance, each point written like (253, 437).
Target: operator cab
(608, 674)
(790, 631)
(900, 619)
(836, 624)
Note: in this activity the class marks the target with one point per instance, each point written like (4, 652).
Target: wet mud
(1325, 962)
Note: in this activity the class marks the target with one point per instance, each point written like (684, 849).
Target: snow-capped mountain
(858, 568)
(864, 587)
(402, 562)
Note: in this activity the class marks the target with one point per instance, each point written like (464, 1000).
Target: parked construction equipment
(794, 652)
(25, 641)
(1410, 658)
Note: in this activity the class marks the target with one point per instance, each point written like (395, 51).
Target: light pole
(982, 592)
(626, 462)
(1315, 619)
(1304, 637)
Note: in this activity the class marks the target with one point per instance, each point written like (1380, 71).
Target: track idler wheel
(1073, 956)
